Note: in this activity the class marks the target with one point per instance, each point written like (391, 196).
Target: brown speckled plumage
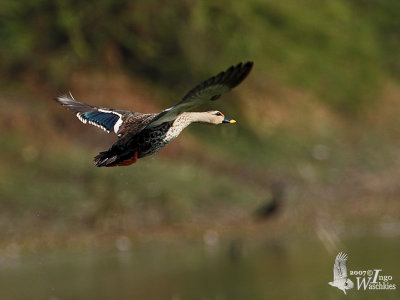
(133, 123)
(140, 135)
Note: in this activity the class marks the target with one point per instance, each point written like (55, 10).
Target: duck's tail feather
(110, 159)
(103, 159)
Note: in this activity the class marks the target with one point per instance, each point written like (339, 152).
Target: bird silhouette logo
(340, 279)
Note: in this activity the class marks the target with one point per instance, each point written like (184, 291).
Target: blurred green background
(253, 211)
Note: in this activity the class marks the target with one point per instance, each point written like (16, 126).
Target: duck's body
(140, 134)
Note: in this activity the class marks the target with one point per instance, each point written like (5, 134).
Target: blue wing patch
(106, 120)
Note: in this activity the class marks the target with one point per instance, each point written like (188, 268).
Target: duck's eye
(218, 114)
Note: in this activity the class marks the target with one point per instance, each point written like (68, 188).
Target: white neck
(194, 117)
(184, 120)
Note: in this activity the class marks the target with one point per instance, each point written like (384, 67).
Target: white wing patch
(117, 125)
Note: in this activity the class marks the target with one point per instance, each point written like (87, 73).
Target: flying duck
(140, 135)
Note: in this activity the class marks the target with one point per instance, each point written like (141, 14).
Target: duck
(143, 134)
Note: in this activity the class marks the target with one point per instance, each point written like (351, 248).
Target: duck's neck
(185, 119)
(188, 118)
(181, 122)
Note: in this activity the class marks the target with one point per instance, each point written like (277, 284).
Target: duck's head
(216, 117)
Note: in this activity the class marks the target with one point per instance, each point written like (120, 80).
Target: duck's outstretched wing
(340, 267)
(104, 118)
(210, 89)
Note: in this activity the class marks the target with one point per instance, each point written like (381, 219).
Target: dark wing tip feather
(234, 75)
(70, 103)
(231, 78)
(240, 73)
(65, 100)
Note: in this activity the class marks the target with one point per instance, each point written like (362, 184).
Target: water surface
(275, 269)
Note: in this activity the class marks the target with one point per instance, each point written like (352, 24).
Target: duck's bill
(229, 121)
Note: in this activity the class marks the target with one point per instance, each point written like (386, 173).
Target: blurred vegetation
(340, 50)
(311, 167)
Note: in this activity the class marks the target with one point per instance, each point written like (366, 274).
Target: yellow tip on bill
(232, 121)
